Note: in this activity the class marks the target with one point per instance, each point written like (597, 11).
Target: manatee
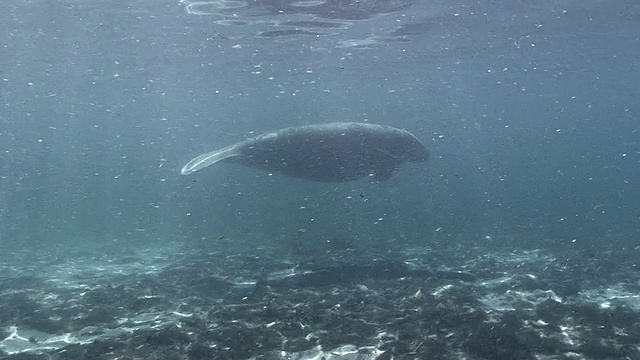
(333, 152)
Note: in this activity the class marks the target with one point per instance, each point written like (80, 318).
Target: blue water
(530, 111)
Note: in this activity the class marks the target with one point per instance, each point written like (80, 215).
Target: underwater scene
(320, 179)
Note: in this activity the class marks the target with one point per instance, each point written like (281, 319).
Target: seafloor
(341, 299)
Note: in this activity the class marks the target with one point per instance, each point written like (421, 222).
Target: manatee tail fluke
(208, 159)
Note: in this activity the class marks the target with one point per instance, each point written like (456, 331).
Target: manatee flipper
(208, 159)
(383, 173)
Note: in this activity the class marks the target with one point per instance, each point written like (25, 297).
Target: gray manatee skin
(333, 152)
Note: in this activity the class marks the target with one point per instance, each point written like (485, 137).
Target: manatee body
(333, 152)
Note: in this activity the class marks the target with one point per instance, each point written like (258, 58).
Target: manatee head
(413, 149)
